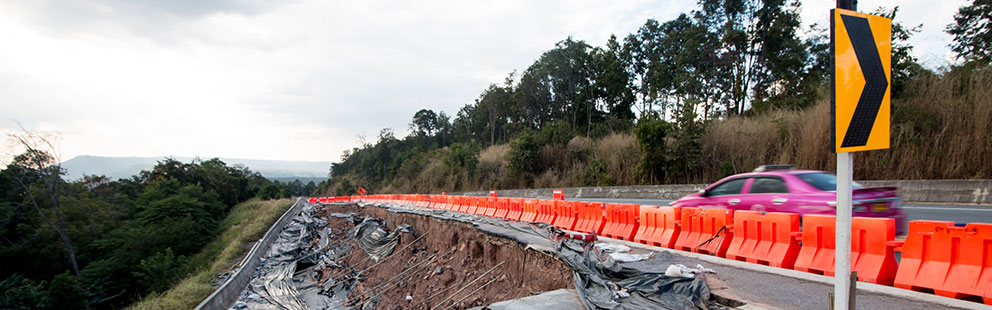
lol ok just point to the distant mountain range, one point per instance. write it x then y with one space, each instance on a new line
125 167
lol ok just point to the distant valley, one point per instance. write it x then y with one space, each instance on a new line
125 167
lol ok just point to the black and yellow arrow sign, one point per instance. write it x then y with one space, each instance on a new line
861 50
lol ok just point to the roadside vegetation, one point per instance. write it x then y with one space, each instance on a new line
244 225
97 243
715 91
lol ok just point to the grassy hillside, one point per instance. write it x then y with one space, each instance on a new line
245 224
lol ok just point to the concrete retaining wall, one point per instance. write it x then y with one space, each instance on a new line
941 191
228 293
931 191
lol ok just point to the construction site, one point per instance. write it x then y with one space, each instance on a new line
372 254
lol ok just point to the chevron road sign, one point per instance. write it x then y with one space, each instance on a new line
861 53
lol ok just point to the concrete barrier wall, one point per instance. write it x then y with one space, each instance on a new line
228 293
940 191
931 191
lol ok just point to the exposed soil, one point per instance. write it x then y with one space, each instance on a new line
444 267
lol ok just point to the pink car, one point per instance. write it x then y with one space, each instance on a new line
779 188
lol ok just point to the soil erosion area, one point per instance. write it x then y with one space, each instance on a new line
442 265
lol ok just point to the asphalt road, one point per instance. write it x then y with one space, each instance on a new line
936 212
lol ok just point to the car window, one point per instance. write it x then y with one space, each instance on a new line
731 187
768 186
822 181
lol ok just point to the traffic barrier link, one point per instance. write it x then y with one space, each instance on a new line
590 217
872 247
454 203
765 238
529 213
565 214
545 212
490 207
621 221
516 209
502 207
952 261
432 201
659 226
465 204
706 231
473 205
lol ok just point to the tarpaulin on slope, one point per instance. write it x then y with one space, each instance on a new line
278 283
374 240
601 282
288 276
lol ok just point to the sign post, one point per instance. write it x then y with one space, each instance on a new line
861 52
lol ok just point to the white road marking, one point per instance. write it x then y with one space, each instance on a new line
951 209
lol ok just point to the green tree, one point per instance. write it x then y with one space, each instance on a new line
523 154
424 122
972 31
758 47
651 135
905 66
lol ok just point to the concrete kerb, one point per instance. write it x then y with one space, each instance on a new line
862 286
228 293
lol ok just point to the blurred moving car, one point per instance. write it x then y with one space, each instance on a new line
781 188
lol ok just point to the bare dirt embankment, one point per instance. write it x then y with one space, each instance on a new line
443 263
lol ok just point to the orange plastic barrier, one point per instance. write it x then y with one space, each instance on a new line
592 217
502 207
765 238
545 211
659 226
953 261
529 213
872 242
700 230
463 204
490 207
473 205
565 214
455 202
621 221
516 209
313 200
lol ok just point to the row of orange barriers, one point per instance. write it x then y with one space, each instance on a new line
331 199
937 256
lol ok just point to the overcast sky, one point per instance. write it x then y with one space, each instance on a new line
297 80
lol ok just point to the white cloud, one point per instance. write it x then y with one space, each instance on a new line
292 80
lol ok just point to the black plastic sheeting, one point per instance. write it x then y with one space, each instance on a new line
372 237
288 276
601 282
289 273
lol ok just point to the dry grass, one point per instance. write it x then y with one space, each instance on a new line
620 154
495 154
940 130
246 223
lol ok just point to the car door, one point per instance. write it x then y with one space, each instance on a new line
726 195
767 193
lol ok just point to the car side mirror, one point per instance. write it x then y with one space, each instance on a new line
704 193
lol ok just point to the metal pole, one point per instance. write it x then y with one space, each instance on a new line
848 4
842 261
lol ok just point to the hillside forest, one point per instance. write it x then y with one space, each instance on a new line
713 92
98 243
